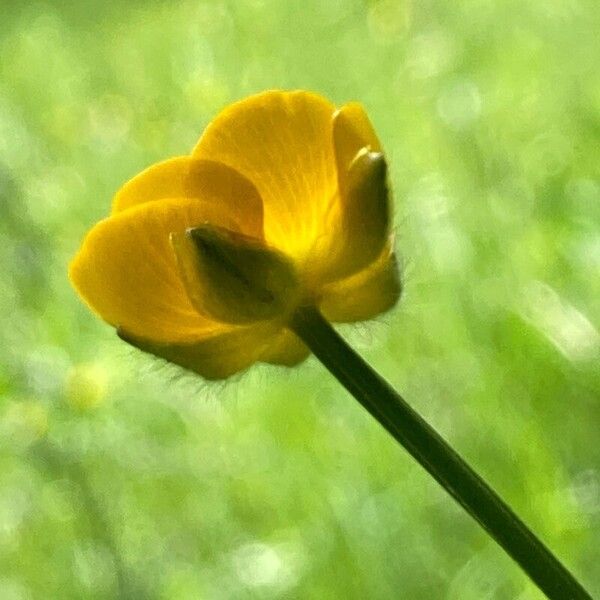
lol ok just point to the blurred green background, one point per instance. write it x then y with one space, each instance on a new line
121 476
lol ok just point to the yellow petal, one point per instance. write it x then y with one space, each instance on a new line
282 142
126 271
217 356
352 131
286 349
366 216
363 295
365 205
222 190
234 278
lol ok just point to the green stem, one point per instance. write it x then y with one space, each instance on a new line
436 456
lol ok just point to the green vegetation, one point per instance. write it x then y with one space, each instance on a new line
119 474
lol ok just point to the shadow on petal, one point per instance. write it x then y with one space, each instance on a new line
364 295
215 357
287 350
228 198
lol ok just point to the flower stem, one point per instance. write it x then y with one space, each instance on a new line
436 456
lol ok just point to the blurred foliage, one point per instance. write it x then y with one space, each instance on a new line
122 476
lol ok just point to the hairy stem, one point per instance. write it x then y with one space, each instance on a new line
436 456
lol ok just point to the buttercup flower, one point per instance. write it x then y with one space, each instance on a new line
277 223
204 258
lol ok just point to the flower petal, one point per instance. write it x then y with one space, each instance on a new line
286 349
218 186
366 216
352 131
126 271
217 356
365 205
364 295
282 142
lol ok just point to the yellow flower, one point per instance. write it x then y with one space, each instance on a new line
204 258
